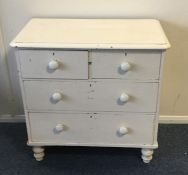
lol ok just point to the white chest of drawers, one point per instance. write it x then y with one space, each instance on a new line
91 82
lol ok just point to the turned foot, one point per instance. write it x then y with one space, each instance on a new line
38 153
147 154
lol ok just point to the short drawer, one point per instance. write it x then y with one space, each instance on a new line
131 64
54 64
104 95
91 129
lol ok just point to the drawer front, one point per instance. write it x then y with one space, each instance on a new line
91 96
96 129
141 65
54 64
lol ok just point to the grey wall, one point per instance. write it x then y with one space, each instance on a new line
172 14
6 97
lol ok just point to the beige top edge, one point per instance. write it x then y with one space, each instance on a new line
92 34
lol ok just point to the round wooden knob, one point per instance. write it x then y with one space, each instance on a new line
59 127
56 96
125 66
124 97
53 65
123 130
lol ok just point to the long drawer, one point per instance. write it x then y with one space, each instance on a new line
122 64
91 129
104 95
54 64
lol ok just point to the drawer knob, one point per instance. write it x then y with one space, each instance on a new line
56 96
124 97
53 65
123 130
59 127
125 66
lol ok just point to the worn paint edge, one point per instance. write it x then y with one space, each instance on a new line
168 119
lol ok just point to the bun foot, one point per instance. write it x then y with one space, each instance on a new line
147 155
38 153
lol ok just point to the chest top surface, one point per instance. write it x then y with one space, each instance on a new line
92 34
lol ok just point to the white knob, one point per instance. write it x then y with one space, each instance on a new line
53 65
124 97
59 127
125 66
56 96
123 130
